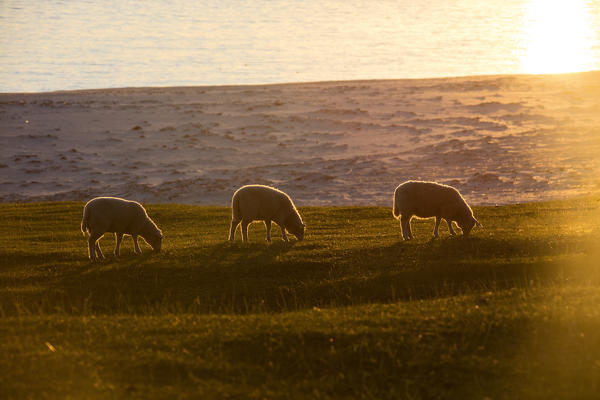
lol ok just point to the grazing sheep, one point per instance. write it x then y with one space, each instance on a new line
430 199
258 202
112 214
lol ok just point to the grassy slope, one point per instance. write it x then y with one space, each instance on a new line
349 312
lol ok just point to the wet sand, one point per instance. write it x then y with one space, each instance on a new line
498 139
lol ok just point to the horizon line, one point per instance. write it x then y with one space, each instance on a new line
333 81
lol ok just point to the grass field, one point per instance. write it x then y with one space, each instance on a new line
350 312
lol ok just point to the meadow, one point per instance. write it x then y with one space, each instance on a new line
351 312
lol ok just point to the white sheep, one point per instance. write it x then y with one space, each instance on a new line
430 199
263 203
112 214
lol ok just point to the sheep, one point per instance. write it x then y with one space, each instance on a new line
112 214
430 199
258 202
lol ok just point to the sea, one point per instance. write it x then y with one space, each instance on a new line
48 45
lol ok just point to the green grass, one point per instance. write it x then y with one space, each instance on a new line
350 312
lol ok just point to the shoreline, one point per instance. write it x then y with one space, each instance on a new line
499 139
324 82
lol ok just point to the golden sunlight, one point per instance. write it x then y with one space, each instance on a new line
558 37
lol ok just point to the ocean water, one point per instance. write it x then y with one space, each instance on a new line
76 44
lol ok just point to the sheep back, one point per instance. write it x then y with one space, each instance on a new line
259 202
430 199
113 214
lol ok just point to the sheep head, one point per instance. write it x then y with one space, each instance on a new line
295 226
468 224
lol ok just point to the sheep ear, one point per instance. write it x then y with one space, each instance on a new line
304 225
477 223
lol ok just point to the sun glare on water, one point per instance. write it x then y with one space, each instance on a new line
558 37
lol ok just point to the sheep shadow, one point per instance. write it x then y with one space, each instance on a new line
455 265
240 277
223 277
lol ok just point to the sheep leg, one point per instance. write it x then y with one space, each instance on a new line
234 224
245 230
403 227
136 246
92 245
450 227
99 250
405 224
118 238
280 220
436 230
285 239
268 225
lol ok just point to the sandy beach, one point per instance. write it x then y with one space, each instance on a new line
498 139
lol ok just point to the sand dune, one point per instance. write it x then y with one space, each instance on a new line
499 139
